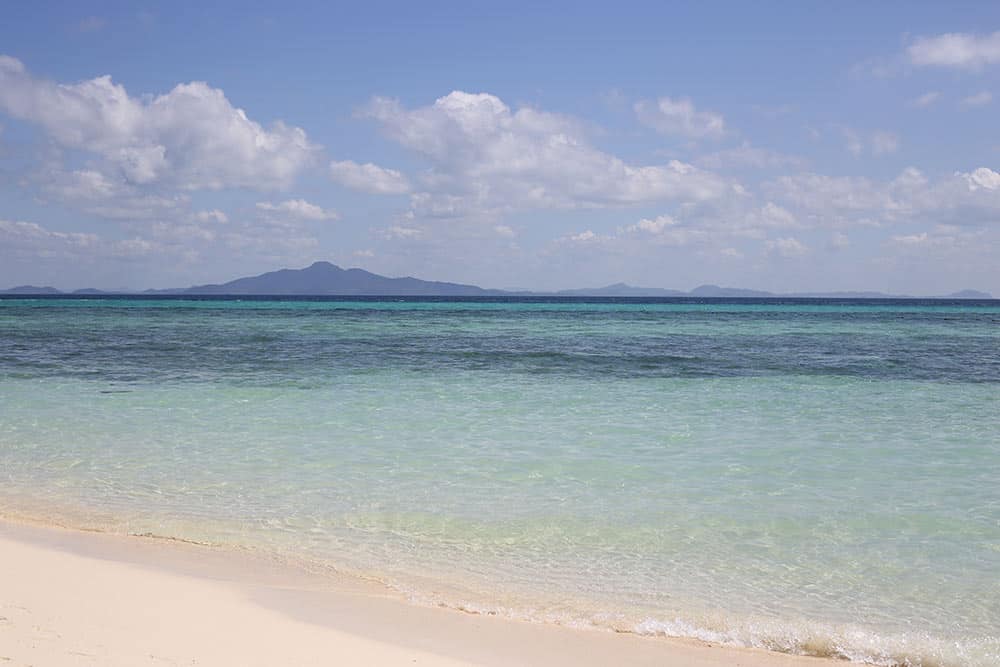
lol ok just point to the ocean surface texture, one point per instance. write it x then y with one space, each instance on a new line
808 476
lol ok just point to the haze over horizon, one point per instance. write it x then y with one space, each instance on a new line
772 147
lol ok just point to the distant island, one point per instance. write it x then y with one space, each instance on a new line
326 279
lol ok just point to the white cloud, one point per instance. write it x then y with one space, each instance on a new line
21 237
363 254
962 50
587 236
131 248
369 177
214 215
744 219
978 100
96 193
299 209
654 226
982 178
399 232
179 232
788 247
663 230
772 215
487 159
884 143
504 231
964 198
679 117
746 155
941 241
31 241
185 241
839 241
832 194
191 137
853 141
911 239
926 100
880 142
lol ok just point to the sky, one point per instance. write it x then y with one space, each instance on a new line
781 146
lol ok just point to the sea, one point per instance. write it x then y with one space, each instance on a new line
809 476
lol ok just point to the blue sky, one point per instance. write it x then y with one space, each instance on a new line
781 146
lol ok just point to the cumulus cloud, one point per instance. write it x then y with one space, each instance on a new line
911 239
96 193
772 215
852 141
396 232
884 143
926 100
192 240
879 142
20 236
941 238
191 137
746 155
652 226
978 100
663 230
787 247
839 241
369 178
487 158
299 209
679 117
214 215
835 194
964 198
583 237
742 218
956 49
29 240
982 178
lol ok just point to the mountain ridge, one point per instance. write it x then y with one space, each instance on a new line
327 279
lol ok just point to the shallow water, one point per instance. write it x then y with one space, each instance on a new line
819 477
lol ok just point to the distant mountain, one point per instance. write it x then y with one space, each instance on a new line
728 292
856 295
621 289
324 278
969 294
30 289
716 292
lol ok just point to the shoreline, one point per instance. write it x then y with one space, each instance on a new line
78 597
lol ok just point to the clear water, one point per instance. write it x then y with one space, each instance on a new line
813 477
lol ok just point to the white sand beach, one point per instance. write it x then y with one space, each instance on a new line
79 598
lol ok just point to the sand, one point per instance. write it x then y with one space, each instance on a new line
79 598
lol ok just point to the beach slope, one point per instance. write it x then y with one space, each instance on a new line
78 598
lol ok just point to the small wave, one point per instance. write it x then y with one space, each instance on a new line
852 643
855 644
803 637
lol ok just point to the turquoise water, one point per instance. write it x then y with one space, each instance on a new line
813 477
